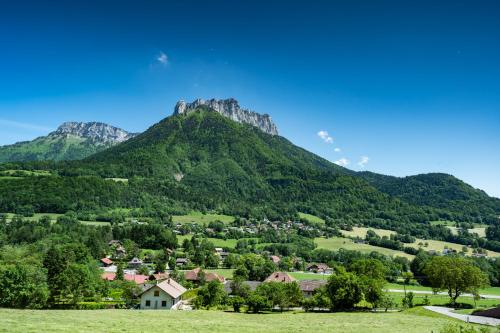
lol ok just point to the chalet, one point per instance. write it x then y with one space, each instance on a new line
319 268
195 276
280 277
106 262
135 263
221 253
162 296
309 287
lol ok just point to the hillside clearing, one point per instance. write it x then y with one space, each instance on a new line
200 218
412 321
336 243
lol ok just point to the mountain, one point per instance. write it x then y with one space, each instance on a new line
199 158
71 141
230 108
441 191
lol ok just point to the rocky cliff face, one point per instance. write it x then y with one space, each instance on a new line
97 132
231 109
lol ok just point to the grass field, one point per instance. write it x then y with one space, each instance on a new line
336 243
485 291
361 232
308 276
443 300
311 218
411 321
200 218
432 244
231 243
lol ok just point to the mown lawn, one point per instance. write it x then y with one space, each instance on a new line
411 321
336 243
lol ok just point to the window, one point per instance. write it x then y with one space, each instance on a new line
163 304
148 303
157 293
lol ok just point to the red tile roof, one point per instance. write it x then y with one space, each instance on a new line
193 275
137 278
107 261
280 277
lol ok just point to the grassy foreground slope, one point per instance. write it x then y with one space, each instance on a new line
416 320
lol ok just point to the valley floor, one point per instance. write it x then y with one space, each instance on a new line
410 321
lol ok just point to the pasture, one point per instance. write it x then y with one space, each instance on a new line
336 243
410 321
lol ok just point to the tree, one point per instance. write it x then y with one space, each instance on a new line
344 290
257 303
237 302
211 294
385 302
23 286
456 275
407 300
120 276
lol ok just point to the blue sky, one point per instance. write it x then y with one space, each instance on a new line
401 87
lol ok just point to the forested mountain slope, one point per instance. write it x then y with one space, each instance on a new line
440 191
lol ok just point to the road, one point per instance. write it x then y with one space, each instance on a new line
467 318
439 293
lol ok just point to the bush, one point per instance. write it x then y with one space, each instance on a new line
237 302
257 303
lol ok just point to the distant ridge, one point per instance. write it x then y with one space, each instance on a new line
70 141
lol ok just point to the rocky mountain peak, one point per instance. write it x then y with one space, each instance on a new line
98 132
230 108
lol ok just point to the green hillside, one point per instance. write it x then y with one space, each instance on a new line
440 191
57 148
205 161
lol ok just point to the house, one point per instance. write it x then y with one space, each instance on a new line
280 277
159 276
180 262
137 278
228 286
120 252
114 242
162 296
135 263
195 276
221 253
319 268
309 287
106 262
275 259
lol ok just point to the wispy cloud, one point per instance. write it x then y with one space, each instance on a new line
342 162
337 150
162 58
325 136
363 161
27 126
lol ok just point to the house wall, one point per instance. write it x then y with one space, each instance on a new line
156 301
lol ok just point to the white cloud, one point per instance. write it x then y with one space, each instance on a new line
342 162
162 58
337 150
325 136
364 161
